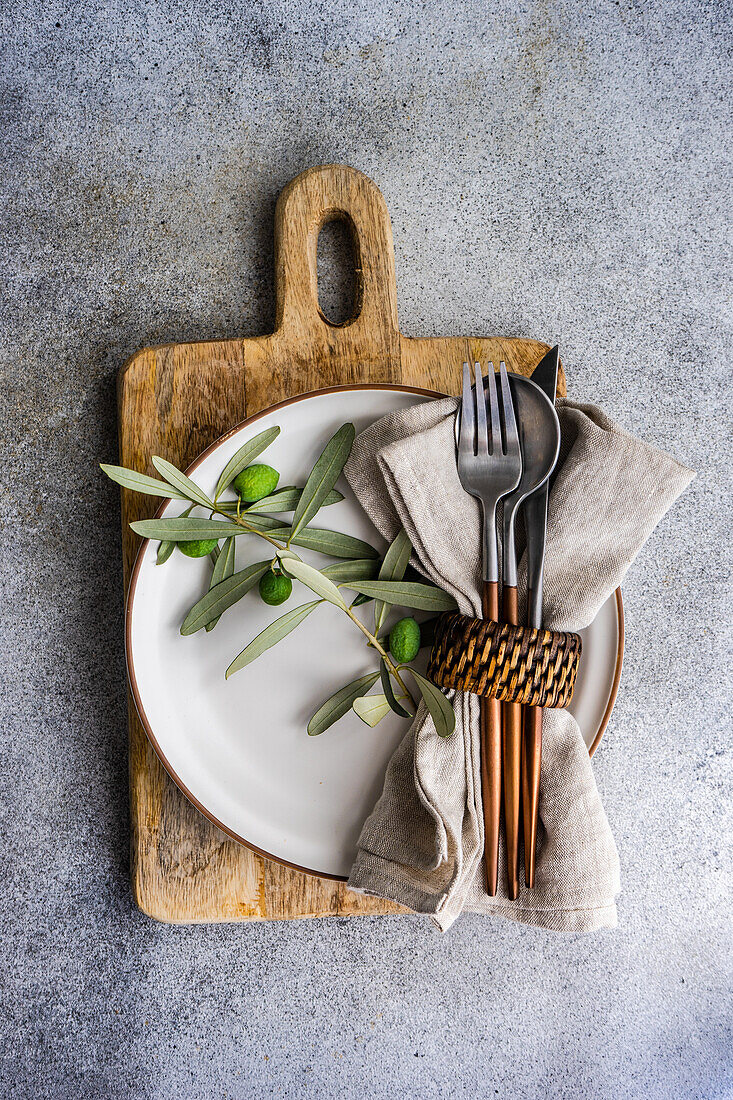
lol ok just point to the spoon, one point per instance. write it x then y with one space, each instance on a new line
539 440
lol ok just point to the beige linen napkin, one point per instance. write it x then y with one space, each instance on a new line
422 844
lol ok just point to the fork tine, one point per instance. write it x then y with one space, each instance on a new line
511 432
482 432
468 418
494 420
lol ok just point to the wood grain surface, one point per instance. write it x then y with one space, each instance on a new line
176 400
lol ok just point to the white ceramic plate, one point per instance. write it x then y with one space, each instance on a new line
238 748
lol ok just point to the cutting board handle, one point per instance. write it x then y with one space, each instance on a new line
319 195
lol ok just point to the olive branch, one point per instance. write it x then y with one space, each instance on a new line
384 582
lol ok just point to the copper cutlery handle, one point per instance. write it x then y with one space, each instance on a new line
532 757
512 764
491 759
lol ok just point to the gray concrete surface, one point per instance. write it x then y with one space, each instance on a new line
552 169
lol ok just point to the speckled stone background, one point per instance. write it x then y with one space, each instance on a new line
553 169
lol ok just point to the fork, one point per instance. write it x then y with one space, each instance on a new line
489 467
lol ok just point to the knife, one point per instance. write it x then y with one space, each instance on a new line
535 524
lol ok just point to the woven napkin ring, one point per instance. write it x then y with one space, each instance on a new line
516 664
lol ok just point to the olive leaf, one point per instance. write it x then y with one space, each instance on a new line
185 530
438 705
285 500
389 692
141 483
371 708
180 482
272 634
273 526
165 549
339 703
222 596
243 457
259 523
223 569
239 507
323 476
284 554
355 570
332 543
322 586
393 569
424 597
225 563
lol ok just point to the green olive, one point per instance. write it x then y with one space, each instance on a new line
404 640
197 548
256 482
275 588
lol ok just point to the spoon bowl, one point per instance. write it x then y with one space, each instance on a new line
539 436
539 441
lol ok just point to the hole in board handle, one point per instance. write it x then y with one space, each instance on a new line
338 277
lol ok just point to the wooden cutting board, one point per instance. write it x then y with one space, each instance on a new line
176 400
